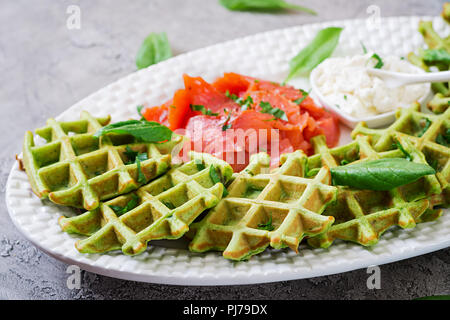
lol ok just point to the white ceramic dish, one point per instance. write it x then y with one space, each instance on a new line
376 121
264 55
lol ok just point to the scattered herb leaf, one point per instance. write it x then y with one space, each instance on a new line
154 49
129 206
169 204
320 48
425 127
305 94
267 226
406 153
263 5
200 165
141 177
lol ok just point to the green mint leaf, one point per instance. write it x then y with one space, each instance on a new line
320 48
381 174
266 107
154 49
146 131
263 5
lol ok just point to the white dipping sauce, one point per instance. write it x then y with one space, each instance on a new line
346 83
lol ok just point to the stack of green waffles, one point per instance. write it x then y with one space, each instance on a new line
131 192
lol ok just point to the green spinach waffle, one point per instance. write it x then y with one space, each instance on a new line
262 209
74 168
163 209
362 216
424 138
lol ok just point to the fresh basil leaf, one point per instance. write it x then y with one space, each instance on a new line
267 226
266 107
263 5
379 63
431 56
133 203
320 48
382 174
154 49
143 130
203 110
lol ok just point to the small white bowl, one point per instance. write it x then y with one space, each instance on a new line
379 120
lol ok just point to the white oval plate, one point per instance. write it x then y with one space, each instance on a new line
264 55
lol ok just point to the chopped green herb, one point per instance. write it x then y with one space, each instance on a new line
214 175
379 63
129 206
425 127
168 204
363 47
344 162
263 5
139 110
203 110
345 97
141 176
266 107
226 125
304 96
406 153
267 226
443 139
131 155
199 164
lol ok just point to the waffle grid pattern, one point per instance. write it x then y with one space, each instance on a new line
166 208
74 168
291 203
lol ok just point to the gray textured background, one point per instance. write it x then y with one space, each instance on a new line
45 68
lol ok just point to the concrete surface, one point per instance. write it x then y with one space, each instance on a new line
45 68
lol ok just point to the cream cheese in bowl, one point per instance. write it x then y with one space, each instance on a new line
343 85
